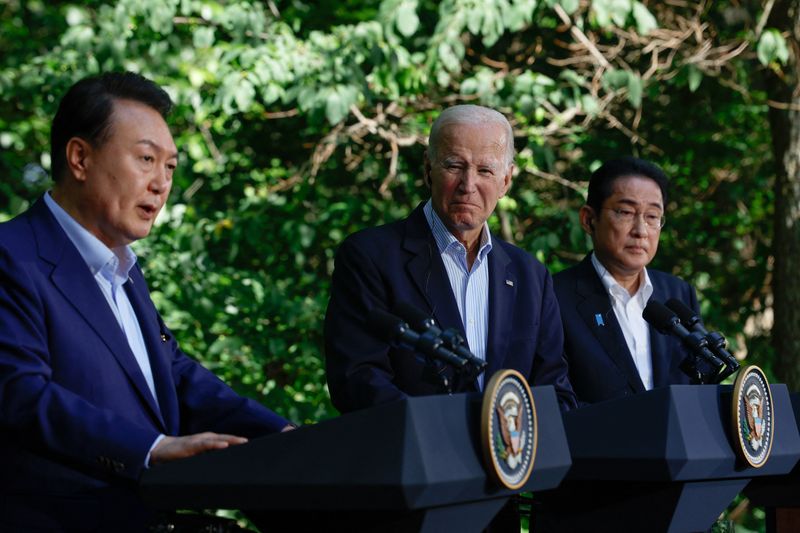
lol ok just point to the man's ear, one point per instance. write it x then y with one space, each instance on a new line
587 219
78 153
507 180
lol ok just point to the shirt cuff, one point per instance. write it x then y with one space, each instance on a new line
155 443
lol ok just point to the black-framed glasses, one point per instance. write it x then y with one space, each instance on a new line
626 217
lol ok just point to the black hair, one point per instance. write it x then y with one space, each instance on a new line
602 181
85 111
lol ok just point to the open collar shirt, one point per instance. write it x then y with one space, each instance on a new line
628 309
110 268
470 286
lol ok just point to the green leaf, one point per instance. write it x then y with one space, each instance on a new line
448 57
695 77
474 20
243 94
635 89
611 11
771 47
338 102
203 37
645 21
589 104
615 79
570 6
407 19
469 86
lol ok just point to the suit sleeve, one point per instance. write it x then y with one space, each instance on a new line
357 362
39 413
549 365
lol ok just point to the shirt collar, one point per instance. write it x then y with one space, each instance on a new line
618 291
114 264
446 240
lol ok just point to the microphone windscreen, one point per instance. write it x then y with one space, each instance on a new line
384 325
684 312
658 316
415 317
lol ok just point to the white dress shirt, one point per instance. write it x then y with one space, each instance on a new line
628 309
470 286
110 269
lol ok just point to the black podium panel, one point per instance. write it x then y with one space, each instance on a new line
779 491
660 461
675 433
419 453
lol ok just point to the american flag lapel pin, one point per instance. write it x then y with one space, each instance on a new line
509 283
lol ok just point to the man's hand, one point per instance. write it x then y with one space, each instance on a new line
171 448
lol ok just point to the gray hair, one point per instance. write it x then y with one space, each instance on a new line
470 114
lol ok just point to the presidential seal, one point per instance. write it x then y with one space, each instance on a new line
753 416
508 429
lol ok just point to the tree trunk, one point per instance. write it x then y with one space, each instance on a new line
785 127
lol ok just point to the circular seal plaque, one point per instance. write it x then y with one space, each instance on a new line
508 429
753 416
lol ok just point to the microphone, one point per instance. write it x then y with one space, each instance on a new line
397 332
425 325
716 342
666 322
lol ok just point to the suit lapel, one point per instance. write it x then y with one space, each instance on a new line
136 290
658 345
594 307
73 279
502 298
427 270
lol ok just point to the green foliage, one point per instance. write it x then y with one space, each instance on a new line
301 122
772 47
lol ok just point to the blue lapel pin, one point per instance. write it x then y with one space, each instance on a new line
599 319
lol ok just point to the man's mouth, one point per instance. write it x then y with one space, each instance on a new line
149 210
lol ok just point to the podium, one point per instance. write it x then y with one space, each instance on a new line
659 461
412 465
779 492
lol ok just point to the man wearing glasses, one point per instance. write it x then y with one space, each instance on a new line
611 350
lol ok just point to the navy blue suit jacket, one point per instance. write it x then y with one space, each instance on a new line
400 262
76 415
600 364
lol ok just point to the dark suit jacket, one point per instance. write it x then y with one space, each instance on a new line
400 262
76 415
600 365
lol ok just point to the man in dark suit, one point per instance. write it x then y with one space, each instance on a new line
443 260
611 350
93 386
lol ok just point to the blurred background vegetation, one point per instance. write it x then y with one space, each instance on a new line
300 122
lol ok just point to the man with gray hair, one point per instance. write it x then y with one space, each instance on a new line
443 260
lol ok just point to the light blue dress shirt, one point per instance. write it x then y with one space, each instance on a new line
470 287
110 269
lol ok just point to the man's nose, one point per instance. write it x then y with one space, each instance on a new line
469 179
162 181
639 227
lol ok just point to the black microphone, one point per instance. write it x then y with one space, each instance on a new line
425 325
716 341
397 332
666 322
